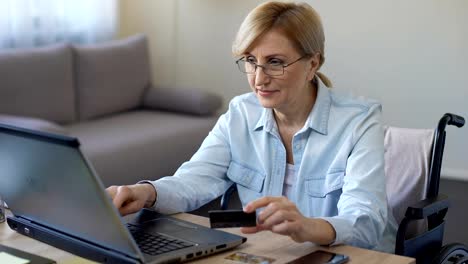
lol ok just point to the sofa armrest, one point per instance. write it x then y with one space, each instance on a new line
33 123
188 101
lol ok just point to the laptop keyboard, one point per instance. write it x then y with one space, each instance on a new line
155 244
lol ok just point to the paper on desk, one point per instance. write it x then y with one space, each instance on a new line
78 260
10 259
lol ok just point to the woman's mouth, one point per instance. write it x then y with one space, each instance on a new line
266 93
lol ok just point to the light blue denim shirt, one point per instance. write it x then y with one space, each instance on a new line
338 159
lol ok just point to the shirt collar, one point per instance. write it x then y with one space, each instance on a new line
317 119
266 120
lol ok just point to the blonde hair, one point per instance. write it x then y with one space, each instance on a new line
299 22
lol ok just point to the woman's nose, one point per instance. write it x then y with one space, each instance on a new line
260 76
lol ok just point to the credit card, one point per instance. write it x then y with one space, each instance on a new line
231 218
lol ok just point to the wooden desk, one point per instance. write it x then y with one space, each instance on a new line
267 244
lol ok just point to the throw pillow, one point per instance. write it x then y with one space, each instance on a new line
111 77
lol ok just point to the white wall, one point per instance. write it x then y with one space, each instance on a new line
410 55
156 19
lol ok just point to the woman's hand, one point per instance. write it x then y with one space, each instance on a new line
130 199
281 216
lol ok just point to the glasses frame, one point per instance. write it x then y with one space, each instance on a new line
264 67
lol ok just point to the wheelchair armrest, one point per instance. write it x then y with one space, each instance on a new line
427 207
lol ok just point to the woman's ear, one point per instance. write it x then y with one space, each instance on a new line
313 66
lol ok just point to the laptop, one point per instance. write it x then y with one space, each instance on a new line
56 197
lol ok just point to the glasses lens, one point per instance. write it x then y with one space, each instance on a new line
268 69
246 67
274 70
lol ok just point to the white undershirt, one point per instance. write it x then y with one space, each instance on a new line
289 180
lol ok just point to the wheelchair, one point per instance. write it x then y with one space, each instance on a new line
428 212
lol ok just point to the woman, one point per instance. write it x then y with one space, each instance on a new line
310 161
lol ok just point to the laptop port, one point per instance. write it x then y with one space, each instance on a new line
189 255
13 225
221 246
198 253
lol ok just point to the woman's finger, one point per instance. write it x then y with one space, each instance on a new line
281 203
252 230
260 202
122 195
269 210
279 217
112 190
249 230
282 228
130 208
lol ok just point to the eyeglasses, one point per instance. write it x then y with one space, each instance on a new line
270 68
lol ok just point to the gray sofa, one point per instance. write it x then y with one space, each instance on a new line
102 95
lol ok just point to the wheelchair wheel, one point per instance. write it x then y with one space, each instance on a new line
463 260
454 253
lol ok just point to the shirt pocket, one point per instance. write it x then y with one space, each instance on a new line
321 187
246 177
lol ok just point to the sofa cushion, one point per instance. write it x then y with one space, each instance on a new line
38 82
138 145
32 123
190 101
111 77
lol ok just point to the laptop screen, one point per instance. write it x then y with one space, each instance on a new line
46 179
